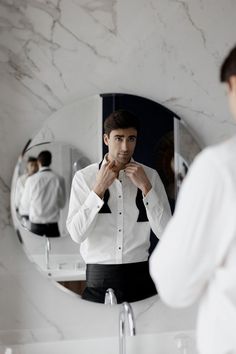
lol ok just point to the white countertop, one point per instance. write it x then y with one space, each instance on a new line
62 267
33 309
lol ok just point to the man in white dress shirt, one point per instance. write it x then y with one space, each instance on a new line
31 168
196 257
113 206
43 198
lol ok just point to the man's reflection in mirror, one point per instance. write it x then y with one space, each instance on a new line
43 198
31 168
113 206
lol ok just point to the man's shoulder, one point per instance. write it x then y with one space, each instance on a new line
221 154
31 178
22 179
89 170
216 161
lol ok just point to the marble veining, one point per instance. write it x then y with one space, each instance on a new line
5 216
187 11
108 7
55 52
27 45
45 135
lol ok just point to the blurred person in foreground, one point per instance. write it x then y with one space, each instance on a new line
196 257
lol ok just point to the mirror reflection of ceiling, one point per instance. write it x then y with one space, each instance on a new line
74 137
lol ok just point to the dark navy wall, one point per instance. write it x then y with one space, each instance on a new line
155 144
155 121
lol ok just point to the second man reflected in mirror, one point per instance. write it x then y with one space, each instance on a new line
43 198
113 206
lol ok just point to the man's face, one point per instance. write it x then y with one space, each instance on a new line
231 90
32 167
121 144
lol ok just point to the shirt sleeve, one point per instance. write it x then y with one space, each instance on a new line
157 206
61 192
24 206
84 206
18 193
197 238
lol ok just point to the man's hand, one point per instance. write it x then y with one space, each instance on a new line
138 176
105 177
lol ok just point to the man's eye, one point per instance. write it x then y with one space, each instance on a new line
118 138
132 139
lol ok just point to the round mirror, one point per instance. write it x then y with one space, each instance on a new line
74 138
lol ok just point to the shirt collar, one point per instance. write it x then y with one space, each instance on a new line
43 168
105 159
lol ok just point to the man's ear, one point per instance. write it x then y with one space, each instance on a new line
105 139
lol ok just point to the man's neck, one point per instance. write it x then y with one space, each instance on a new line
44 167
118 166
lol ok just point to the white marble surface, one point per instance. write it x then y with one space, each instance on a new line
57 51
34 310
164 343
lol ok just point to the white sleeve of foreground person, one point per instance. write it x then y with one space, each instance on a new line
196 239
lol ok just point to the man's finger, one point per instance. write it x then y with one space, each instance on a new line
112 164
132 164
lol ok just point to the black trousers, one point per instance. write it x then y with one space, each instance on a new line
130 282
49 229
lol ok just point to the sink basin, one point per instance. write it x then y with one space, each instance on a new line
162 343
157 343
61 267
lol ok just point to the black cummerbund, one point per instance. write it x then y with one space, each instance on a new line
118 275
130 281
48 229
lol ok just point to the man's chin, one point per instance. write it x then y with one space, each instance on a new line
123 159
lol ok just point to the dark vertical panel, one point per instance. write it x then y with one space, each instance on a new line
155 121
155 144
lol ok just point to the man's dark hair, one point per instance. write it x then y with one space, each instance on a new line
31 159
45 158
120 119
228 67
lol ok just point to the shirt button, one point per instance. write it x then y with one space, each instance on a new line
119 230
119 196
120 212
119 248
146 203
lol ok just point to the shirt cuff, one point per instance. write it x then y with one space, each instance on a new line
151 200
94 201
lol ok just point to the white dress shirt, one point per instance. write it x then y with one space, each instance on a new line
196 257
116 237
43 197
19 189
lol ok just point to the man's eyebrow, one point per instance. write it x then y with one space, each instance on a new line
122 136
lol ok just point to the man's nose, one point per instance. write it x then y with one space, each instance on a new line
124 145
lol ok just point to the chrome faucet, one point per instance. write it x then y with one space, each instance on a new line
126 312
110 297
47 252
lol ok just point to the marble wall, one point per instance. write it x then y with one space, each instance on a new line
57 51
